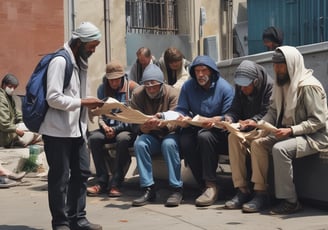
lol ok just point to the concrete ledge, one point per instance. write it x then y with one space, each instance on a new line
10 158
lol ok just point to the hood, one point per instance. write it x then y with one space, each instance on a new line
203 60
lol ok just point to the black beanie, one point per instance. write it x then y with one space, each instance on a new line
273 34
278 57
9 79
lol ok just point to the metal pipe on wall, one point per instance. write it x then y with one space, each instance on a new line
107 30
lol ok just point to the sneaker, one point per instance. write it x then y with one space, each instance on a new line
5 182
285 208
175 198
208 197
114 192
95 190
257 204
238 200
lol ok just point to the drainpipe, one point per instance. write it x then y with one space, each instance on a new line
230 31
69 18
107 30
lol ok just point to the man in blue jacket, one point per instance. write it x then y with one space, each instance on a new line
206 94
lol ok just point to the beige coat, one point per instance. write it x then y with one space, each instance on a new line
305 105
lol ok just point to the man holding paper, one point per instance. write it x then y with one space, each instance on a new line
299 111
153 98
250 104
208 95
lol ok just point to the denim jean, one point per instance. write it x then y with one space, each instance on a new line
147 146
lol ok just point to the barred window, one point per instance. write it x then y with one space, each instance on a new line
151 16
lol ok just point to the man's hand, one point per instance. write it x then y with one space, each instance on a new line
151 124
183 121
92 102
109 131
246 124
283 133
20 132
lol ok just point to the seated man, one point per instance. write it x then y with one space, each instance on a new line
116 85
13 131
144 58
209 95
153 98
299 111
251 102
174 67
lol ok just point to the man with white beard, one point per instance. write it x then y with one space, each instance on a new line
209 95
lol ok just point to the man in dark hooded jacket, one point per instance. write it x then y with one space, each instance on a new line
250 104
206 94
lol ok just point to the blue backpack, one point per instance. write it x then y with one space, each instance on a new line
34 105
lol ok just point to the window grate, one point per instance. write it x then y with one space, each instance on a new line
151 16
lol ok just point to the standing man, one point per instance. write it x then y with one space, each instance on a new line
144 58
206 94
251 102
64 132
115 85
153 98
299 111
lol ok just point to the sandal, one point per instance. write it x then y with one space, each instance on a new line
16 176
94 190
114 192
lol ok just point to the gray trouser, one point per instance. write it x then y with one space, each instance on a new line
283 152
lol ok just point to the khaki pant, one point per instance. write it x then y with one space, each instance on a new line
259 150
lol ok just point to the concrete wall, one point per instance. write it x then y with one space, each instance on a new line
315 57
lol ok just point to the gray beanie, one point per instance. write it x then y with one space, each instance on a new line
152 72
246 73
9 79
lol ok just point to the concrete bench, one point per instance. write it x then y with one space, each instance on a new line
310 177
160 169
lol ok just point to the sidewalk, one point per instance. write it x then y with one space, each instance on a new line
26 208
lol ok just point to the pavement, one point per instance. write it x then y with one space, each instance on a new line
26 207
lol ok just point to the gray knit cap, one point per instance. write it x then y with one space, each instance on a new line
152 72
246 73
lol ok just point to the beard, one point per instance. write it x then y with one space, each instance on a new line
157 95
83 53
203 80
282 79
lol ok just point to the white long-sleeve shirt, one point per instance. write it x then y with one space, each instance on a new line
65 118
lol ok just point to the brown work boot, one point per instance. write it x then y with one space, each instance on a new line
209 195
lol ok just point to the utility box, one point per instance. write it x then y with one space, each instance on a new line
211 47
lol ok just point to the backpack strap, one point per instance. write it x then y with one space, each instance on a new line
69 66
